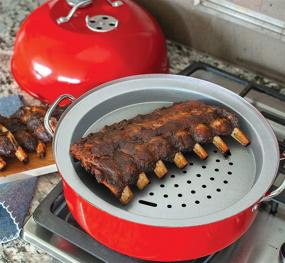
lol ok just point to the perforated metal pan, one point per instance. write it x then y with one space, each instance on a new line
191 212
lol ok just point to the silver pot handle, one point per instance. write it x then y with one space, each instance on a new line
277 191
51 109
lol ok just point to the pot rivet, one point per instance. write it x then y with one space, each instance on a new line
254 208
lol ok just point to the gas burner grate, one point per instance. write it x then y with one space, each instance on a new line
248 85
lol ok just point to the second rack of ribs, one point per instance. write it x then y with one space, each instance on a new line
119 153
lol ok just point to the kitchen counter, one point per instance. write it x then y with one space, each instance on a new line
11 15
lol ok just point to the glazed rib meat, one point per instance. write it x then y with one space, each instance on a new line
23 136
32 117
20 132
121 154
24 130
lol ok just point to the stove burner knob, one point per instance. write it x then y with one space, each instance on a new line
282 253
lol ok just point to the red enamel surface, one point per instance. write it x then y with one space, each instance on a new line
51 59
152 242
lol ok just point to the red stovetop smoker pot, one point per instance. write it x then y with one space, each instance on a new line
70 46
181 219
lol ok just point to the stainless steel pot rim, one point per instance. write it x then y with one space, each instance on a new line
77 110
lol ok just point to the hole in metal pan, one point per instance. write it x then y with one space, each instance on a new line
147 203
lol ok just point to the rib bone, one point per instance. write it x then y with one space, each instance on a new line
19 152
221 145
200 151
160 169
41 149
126 196
2 163
238 135
180 160
142 181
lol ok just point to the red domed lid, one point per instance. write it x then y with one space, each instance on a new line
102 41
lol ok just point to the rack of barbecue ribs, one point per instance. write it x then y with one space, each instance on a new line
123 153
24 132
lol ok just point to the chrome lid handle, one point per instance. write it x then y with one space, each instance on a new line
47 119
64 19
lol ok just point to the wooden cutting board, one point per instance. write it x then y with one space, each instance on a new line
16 170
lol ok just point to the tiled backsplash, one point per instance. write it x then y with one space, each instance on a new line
248 33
